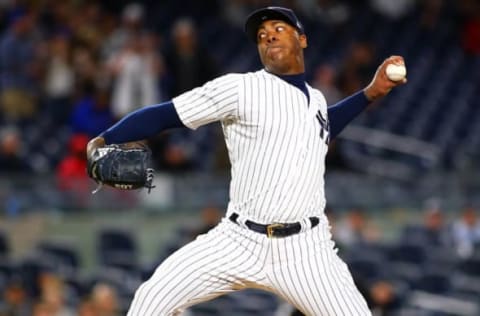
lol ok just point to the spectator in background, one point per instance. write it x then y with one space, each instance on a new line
433 232
131 27
71 175
15 299
382 298
358 64
331 12
43 309
86 26
394 10
105 301
431 14
86 66
86 308
59 79
91 113
189 65
136 71
471 30
10 151
325 81
19 67
466 232
235 11
53 294
355 229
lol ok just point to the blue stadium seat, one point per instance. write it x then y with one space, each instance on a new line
117 248
7 270
4 244
206 309
408 253
364 268
406 272
438 283
470 266
464 283
63 254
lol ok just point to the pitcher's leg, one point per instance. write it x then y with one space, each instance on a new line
210 266
314 279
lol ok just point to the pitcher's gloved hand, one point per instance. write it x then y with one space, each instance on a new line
125 166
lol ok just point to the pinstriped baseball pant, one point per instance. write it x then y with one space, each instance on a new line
303 269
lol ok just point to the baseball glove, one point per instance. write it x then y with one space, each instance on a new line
123 166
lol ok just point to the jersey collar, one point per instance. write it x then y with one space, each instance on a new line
297 80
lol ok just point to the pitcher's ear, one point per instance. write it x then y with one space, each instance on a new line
303 40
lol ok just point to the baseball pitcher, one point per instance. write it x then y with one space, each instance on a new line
275 235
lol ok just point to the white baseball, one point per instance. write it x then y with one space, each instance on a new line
396 72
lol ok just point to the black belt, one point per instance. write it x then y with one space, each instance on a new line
276 229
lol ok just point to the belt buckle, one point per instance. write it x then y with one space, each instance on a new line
271 229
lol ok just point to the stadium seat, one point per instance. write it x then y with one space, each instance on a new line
4 244
63 254
407 272
408 253
206 309
117 248
368 269
226 303
441 305
464 283
470 266
438 283
7 270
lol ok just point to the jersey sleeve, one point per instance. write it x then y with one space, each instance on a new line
216 100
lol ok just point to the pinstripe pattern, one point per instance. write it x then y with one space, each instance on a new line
272 136
277 143
304 269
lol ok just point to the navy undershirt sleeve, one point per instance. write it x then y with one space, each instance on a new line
344 111
143 123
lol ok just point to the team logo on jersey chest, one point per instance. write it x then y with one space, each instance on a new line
324 127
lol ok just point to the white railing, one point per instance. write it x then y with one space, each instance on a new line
426 154
393 142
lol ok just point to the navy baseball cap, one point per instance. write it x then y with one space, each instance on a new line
270 13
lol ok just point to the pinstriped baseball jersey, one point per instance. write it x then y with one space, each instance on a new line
276 140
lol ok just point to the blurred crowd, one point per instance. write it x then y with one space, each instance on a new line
66 76
435 252
77 74
52 299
